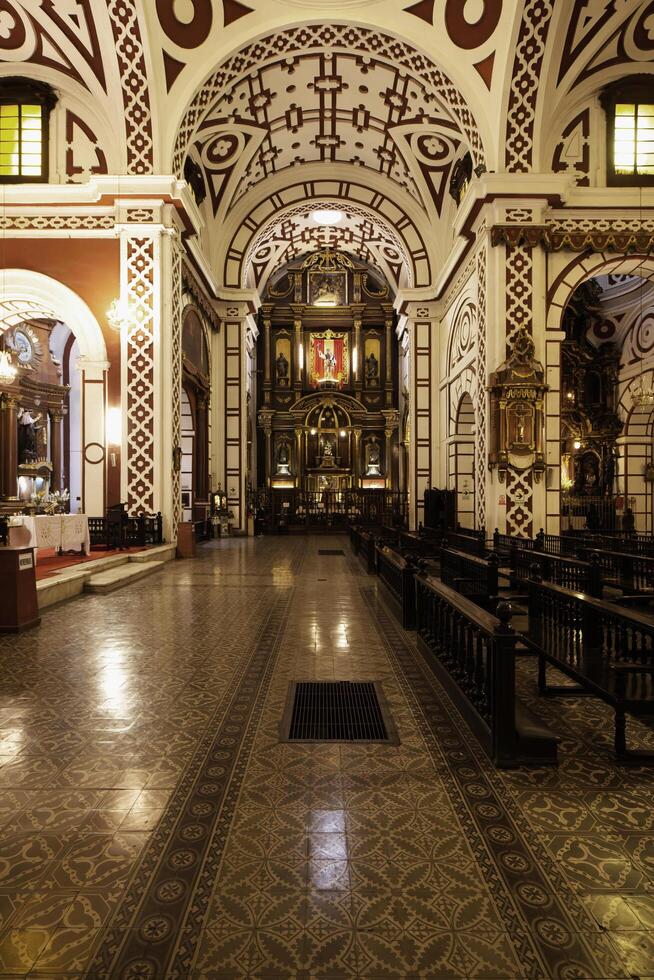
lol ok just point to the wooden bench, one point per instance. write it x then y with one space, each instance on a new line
473 577
607 651
471 543
473 654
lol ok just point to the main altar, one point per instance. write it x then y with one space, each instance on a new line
328 419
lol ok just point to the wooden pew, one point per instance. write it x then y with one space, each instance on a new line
473 655
471 543
606 650
473 577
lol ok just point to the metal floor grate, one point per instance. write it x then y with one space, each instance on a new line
341 711
330 551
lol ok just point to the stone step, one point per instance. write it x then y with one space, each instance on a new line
115 578
161 552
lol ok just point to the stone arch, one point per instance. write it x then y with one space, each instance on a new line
632 446
43 296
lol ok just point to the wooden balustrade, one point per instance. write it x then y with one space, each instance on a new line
398 574
471 544
473 653
584 576
608 651
475 578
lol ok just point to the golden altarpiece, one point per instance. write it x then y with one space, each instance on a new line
33 405
327 400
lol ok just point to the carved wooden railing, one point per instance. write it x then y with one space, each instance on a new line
570 573
472 543
608 651
473 653
473 577
398 574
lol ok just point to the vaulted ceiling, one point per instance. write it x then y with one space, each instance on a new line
375 95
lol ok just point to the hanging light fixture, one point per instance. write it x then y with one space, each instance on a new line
117 314
8 370
641 396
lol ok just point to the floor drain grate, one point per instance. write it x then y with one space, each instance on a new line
330 551
341 711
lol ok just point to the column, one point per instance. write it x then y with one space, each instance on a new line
297 342
151 359
56 449
9 463
238 329
357 457
392 419
267 353
357 311
388 327
421 322
299 456
265 422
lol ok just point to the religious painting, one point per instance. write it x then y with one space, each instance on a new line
327 288
329 359
520 418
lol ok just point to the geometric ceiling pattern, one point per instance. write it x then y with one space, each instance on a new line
263 92
326 108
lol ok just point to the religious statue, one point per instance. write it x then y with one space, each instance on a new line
28 426
282 369
330 364
327 448
372 367
373 459
283 458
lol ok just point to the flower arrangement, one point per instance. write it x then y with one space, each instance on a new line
51 503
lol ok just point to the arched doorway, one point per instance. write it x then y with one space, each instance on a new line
54 424
606 362
463 461
195 414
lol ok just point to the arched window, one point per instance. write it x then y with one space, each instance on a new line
25 107
629 106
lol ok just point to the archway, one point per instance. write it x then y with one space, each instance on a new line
603 306
462 468
196 392
55 327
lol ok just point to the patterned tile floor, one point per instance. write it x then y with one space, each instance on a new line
152 824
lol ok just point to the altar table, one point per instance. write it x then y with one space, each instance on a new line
65 532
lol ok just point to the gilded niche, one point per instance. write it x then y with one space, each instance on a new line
517 391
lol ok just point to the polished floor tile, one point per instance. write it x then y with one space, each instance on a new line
152 824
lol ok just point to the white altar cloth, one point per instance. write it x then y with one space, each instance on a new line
67 532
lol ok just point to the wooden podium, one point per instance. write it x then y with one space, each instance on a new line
18 607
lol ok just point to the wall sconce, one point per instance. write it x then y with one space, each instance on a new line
114 427
343 433
577 444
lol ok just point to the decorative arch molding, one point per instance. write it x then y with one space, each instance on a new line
246 227
463 335
585 267
351 405
23 285
364 41
364 233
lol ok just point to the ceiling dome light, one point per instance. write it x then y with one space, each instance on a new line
327 216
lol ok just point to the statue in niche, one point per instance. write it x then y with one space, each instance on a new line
373 459
28 435
281 365
327 447
283 458
372 368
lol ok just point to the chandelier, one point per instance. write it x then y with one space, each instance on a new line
8 371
